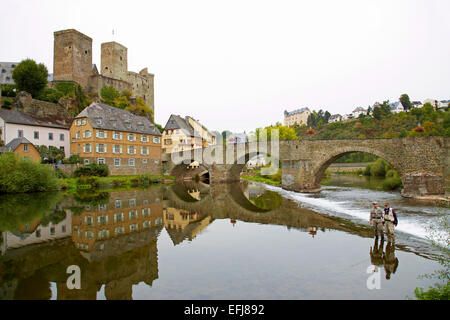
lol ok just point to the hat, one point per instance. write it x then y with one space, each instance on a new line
374 202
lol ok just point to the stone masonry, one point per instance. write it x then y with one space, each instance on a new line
422 162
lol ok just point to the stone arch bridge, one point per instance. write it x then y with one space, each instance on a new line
422 163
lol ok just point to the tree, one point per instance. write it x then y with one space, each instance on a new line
108 94
30 77
50 154
406 103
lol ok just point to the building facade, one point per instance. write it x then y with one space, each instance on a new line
182 134
127 143
299 116
22 148
335 118
40 132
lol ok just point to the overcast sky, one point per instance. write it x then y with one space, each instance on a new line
238 65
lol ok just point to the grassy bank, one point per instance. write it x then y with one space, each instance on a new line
262 179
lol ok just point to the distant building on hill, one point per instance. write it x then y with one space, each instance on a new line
299 116
335 118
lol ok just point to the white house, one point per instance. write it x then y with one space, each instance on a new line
335 118
346 117
417 104
16 124
359 111
396 107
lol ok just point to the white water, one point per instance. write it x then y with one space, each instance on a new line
355 203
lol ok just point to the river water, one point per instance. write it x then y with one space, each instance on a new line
193 241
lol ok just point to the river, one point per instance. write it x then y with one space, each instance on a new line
193 241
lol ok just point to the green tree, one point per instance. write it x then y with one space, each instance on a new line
406 103
108 94
50 154
30 77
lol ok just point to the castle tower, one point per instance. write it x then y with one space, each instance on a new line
114 61
72 60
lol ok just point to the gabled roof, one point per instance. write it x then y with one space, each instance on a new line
18 117
177 122
117 119
359 109
13 144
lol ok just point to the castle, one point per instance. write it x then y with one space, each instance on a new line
73 62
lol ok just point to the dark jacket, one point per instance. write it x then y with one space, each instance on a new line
386 213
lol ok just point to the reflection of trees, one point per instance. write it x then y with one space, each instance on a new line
92 198
55 217
18 210
268 200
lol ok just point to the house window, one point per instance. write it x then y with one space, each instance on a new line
50 136
20 133
145 212
99 120
131 150
63 229
87 148
25 147
52 231
117 162
61 137
83 122
101 161
144 161
168 141
131 162
156 161
144 150
77 135
128 125
119 217
117 148
132 202
102 220
88 220
134 227
146 224
132 215
38 233
119 230
156 140
61 148
36 134
86 161
144 138
118 204
87 134
101 148
101 134
117 136
131 137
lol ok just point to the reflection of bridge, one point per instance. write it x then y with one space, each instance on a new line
422 163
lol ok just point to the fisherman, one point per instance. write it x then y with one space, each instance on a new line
390 260
390 218
377 220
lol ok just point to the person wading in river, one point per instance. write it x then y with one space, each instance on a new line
390 222
377 220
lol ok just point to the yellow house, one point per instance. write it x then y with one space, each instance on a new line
182 134
23 148
125 142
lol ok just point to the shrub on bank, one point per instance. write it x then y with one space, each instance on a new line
392 183
93 169
23 175
73 159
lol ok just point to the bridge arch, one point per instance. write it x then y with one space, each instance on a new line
321 166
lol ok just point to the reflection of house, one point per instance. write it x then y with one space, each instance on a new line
182 224
185 134
35 232
40 131
126 212
22 148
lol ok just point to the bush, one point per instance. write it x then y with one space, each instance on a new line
378 168
119 182
392 183
93 169
22 175
92 181
146 180
73 159
392 174
8 90
7 102
50 95
60 174
368 170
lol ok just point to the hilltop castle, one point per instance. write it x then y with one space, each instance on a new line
73 62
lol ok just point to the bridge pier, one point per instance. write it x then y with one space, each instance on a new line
422 184
298 175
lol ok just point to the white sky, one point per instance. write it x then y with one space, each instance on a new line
238 65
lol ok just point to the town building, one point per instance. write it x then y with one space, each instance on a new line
347 117
396 107
23 148
299 117
6 69
73 62
359 111
335 118
417 104
127 143
39 131
182 134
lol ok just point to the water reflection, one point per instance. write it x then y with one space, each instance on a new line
113 236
